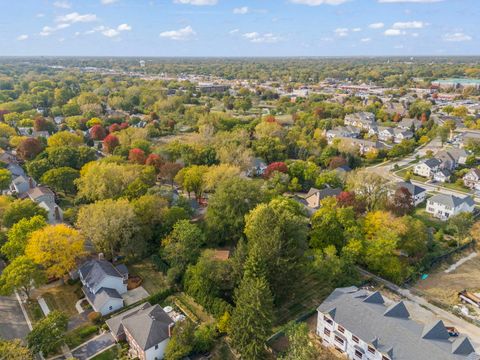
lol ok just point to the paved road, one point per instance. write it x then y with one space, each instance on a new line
92 347
12 321
466 328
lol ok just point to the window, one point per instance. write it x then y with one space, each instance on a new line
358 354
339 339
385 358
371 350
110 307
326 332
355 339
156 347
341 329
327 320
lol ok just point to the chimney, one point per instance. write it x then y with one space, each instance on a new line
57 214
170 329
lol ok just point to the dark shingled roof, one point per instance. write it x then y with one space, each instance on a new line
366 316
93 271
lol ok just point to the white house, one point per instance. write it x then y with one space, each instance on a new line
400 135
364 326
363 120
472 179
146 328
426 168
21 184
442 175
444 206
418 193
103 285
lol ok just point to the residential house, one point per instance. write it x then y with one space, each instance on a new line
400 135
362 120
257 168
15 170
45 198
342 132
442 175
417 192
363 325
363 146
444 206
21 185
315 196
146 328
395 108
409 124
103 284
472 179
382 132
447 161
427 168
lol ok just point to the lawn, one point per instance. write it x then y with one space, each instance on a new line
153 280
78 336
110 354
34 311
403 174
428 220
63 298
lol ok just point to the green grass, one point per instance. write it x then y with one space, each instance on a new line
78 336
34 311
110 354
153 280
403 174
454 186
421 214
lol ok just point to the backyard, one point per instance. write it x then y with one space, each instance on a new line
63 297
153 280
444 287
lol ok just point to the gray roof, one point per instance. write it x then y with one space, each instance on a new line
93 271
16 169
102 296
115 323
451 200
390 329
432 162
412 188
323 193
148 327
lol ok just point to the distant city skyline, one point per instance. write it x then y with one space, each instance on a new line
236 28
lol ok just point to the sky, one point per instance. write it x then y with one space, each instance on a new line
239 27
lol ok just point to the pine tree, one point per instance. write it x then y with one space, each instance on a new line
252 318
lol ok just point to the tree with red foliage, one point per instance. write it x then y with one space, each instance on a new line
137 156
401 202
155 160
348 198
110 143
279 166
97 132
123 125
270 119
336 162
113 128
40 124
29 148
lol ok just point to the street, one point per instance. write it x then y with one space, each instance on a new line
12 321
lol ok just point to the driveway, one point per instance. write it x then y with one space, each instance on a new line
135 295
91 347
12 322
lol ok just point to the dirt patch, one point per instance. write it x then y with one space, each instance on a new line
444 287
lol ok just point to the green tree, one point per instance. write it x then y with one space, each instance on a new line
299 345
14 350
461 224
182 246
48 334
22 209
182 341
18 235
227 208
23 274
252 318
369 186
61 179
277 237
112 226
192 179
5 179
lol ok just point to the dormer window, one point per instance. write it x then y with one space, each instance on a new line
371 350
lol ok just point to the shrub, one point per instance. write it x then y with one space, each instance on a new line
159 264
94 317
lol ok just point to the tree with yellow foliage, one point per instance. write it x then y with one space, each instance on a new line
65 138
56 248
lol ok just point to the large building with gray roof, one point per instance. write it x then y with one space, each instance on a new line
361 325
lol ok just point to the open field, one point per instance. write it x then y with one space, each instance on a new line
444 287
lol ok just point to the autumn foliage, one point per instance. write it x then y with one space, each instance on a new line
113 128
110 143
97 132
279 166
154 160
29 148
137 156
